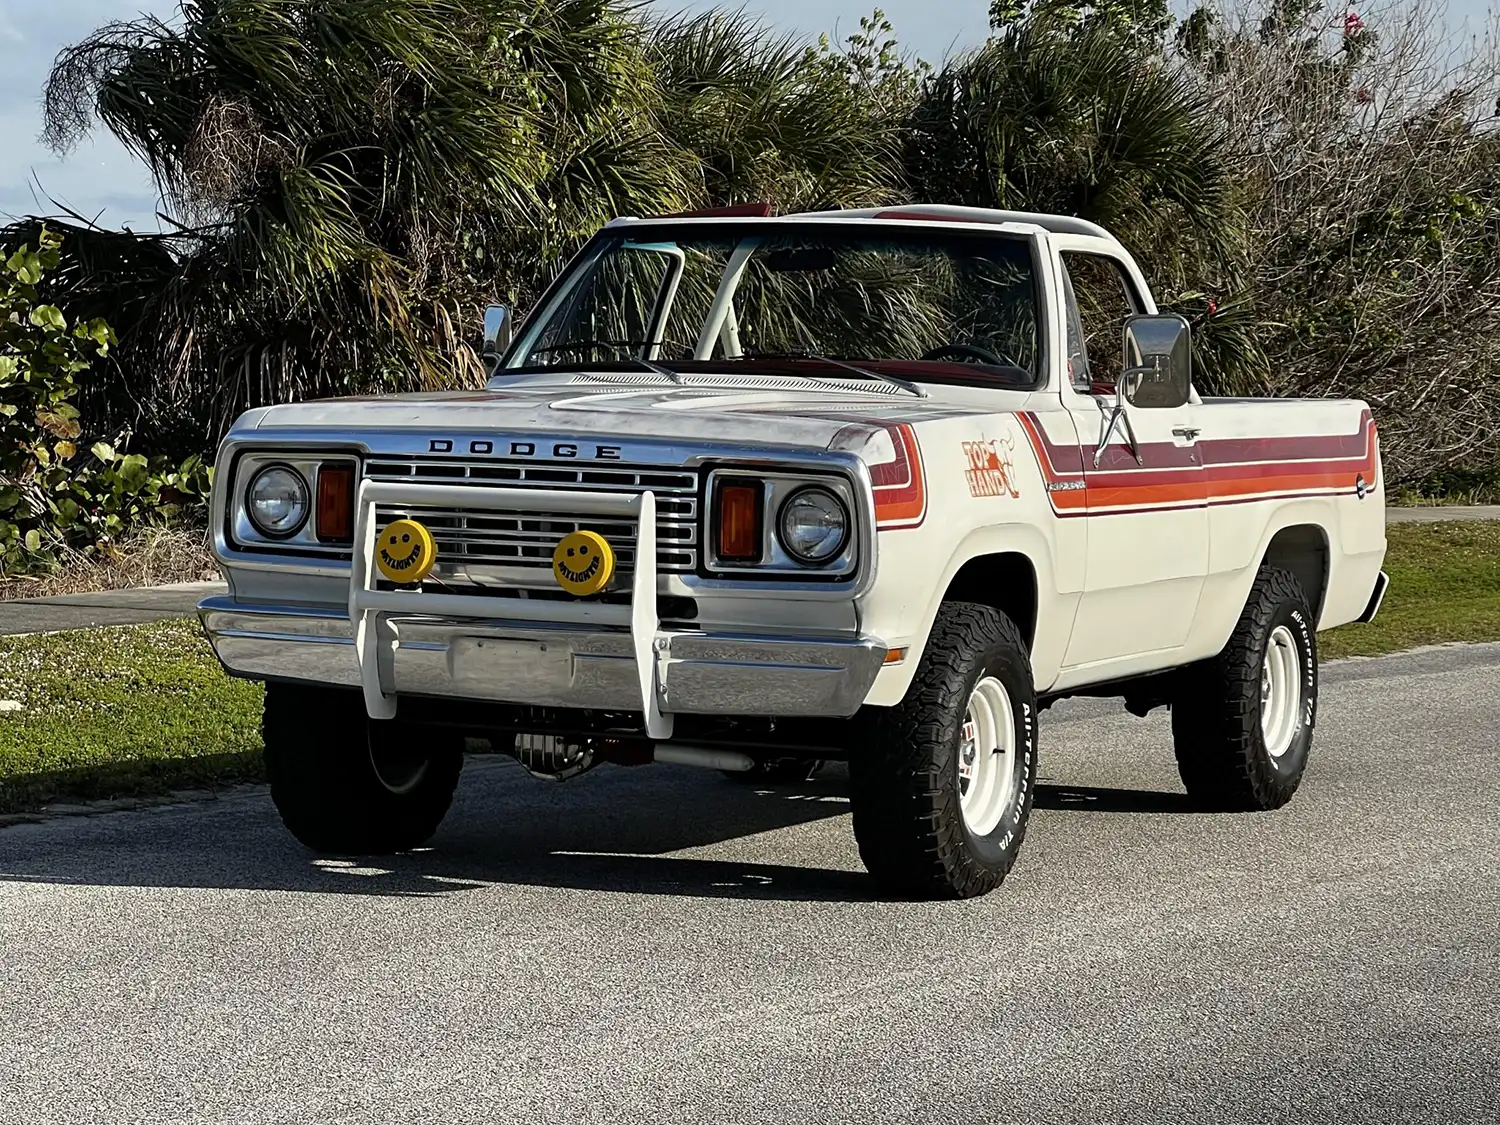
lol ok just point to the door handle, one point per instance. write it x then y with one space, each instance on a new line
1187 433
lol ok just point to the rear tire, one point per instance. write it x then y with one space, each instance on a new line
348 785
941 791
1242 727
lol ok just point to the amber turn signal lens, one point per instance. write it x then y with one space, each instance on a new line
335 518
739 522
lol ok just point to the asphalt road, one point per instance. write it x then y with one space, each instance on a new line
658 945
106 607
1443 513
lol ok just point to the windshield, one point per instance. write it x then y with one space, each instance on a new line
929 304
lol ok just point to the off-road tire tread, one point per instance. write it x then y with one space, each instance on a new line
317 763
1216 718
908 825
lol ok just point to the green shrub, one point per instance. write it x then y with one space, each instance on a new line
54 492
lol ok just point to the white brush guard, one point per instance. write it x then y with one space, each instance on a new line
373 649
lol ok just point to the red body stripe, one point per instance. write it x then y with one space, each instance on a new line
1236 470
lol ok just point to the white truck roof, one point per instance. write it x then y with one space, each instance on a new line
936 212
917 212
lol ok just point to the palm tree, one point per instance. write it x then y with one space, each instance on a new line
349 181
1053 115
767 119
337 170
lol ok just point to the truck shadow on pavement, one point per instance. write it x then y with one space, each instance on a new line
614 830
611 830
1087 798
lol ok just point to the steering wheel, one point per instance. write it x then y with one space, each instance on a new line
970 351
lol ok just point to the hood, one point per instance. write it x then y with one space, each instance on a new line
763 411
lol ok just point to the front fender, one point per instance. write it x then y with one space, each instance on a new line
904 603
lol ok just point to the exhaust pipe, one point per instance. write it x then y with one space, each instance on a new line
678 754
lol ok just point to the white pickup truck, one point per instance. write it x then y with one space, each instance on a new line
753 492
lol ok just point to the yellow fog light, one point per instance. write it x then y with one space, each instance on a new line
583 563
405 552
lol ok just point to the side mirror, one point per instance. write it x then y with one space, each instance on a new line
1158 371
499 330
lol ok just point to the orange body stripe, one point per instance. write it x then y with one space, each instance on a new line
1117 489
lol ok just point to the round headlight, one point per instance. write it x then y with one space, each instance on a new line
813 526
277 502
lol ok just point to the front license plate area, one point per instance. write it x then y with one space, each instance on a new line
525 668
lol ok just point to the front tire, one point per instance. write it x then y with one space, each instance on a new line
941 792
346 784
1242 727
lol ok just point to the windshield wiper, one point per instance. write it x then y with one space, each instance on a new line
904 384
652 365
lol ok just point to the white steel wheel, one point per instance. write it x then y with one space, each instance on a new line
987 761
941 792
1280 692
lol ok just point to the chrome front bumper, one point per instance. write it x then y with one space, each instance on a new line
546 664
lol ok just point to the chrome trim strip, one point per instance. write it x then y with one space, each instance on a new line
513 471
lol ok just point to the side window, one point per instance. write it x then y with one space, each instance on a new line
1099 297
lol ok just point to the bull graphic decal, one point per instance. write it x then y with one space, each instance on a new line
991 471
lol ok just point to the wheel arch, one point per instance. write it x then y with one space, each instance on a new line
1298 535
1011 569
1005 581
1303 549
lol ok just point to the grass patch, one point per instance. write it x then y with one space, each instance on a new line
1445 586
134 710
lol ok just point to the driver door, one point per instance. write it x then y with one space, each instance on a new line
1147 496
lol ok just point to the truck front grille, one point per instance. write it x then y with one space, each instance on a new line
479 544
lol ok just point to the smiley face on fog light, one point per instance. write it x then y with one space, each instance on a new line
583 563
405 552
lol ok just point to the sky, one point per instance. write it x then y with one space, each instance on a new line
101 179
